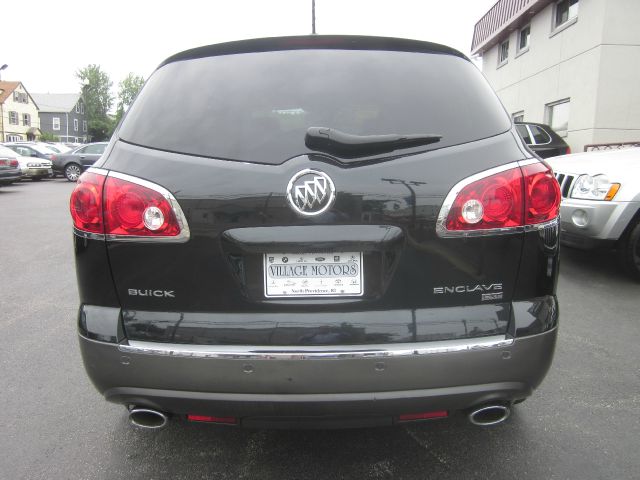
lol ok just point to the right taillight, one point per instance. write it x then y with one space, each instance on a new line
14 163
501 200
123 207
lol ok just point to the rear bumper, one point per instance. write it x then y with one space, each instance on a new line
9 176
369 386
36 172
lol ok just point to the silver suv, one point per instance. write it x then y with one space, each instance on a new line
601 202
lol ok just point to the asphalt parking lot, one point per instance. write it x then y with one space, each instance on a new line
583 422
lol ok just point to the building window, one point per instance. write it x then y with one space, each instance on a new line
82 108
75 124
78 107
26 119
84 125
14 138
566 10
518 116
557 116
503 53
20 97
523 38
13 118
56 123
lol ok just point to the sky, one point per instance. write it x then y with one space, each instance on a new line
45 48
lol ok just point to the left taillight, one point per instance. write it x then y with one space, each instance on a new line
501 200
123 207
86 203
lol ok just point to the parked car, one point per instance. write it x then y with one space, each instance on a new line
9 167
542 139
601 202
31 149
72 164
34 168
322 230
60 147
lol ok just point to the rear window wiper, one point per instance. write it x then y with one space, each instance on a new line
330 140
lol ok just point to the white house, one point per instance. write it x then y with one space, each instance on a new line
18 113
573 64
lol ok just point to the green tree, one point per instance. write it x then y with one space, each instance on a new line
96 91
49 137
127 91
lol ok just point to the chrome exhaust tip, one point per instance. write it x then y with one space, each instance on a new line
147 418
489 415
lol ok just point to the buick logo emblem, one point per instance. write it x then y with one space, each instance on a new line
311 192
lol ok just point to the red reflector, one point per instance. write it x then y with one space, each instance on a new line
423 416
210 419
86 203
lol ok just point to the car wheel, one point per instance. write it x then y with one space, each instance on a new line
72 172
629 250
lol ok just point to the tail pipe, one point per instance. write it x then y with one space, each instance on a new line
488 415
147 418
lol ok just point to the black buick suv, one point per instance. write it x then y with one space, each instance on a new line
317 231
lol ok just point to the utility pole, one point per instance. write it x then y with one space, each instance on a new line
313 17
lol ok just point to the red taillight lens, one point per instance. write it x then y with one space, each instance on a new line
568 151
497 200
86 203
123 206
132 209
542 194
515 197
14 163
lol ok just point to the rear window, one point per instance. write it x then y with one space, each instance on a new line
256 107
539 135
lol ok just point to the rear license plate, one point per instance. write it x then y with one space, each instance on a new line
334 274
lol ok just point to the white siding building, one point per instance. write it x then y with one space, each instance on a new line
573 64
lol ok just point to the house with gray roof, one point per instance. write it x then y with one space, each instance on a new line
63 115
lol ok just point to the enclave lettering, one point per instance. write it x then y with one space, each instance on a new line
493 287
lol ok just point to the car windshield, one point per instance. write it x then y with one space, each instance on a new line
43 149
258 107
7 152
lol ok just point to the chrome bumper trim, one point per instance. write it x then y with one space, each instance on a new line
330 352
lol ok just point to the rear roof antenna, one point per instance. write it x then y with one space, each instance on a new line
313 17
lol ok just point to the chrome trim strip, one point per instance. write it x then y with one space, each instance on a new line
99 171
441 228
185 233
541 226
89 235
234 352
